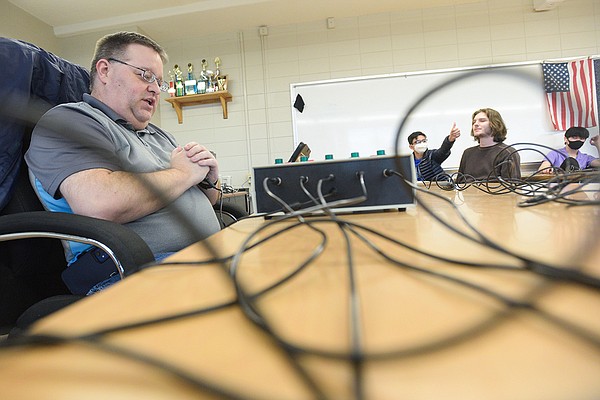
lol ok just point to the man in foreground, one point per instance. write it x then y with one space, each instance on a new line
103 158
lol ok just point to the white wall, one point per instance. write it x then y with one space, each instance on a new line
260 70
17 24
259 128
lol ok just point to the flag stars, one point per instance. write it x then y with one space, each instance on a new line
556 77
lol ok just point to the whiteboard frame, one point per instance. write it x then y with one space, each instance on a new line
519 126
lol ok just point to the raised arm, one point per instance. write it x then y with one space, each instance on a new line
443 152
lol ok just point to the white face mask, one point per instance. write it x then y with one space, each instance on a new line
420 147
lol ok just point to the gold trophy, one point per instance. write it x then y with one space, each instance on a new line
220 81
179 89
190 82
204 83
171 90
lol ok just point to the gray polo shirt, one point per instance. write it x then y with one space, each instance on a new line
78 136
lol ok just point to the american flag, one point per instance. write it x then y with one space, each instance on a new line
570 93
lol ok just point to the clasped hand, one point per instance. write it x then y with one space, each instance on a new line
196 162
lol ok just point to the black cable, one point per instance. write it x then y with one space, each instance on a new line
248 306
360 357
529 186
550 271
254 315
356 356
436 345
313 351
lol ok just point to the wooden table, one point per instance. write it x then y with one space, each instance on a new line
339 329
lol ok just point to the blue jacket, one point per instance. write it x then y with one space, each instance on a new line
32 81
431 164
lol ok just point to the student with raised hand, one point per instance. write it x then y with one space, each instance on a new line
569 157
103 158
491 158
428 161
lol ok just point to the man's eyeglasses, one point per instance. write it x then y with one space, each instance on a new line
420 141
146 75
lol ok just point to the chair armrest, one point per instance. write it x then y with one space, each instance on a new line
228 213
130 250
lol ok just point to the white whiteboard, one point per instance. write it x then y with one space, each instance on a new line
363 114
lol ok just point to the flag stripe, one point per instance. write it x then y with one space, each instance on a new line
555 105
576 116
589 93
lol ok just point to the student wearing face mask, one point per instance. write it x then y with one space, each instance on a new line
428 161
569 157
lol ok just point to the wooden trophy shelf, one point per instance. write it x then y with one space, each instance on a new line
178 103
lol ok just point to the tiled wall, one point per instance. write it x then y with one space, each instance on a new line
261 69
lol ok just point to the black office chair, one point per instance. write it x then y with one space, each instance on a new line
31 254
228 214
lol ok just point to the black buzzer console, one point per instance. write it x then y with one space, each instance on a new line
341 181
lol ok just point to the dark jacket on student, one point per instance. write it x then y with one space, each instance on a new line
429 166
